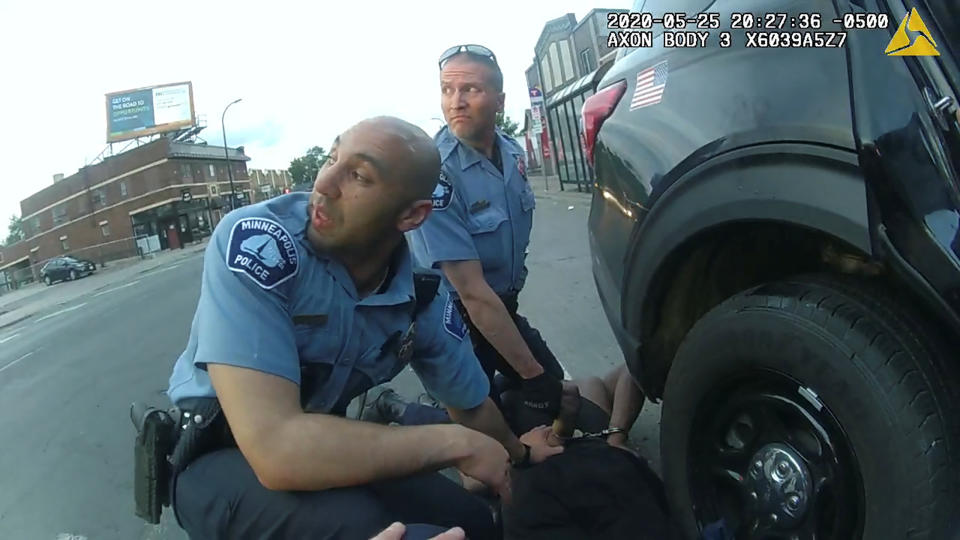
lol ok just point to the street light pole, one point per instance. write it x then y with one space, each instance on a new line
226 155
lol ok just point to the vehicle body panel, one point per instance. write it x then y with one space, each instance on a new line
759 134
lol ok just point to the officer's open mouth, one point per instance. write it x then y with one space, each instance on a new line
319 219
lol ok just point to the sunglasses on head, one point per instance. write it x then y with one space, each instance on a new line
478 50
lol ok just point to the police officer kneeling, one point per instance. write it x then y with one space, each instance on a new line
306 302
480 229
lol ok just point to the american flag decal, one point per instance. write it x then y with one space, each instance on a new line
650 85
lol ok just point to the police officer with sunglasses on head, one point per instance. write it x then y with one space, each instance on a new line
480 228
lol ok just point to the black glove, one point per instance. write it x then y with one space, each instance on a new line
542 394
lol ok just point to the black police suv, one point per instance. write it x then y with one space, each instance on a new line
66 268
774 234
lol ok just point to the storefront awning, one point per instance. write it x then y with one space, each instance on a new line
577 87
25 258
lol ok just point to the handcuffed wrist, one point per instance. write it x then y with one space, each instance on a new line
524 461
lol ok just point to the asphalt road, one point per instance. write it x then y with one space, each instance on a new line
68 375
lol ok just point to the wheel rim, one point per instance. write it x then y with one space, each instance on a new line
770 459
73 275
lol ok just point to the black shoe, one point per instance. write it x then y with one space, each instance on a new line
428 400
386 408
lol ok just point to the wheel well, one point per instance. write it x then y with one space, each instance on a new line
720 262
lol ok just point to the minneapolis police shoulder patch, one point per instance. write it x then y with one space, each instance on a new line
443 193
452 321
263 250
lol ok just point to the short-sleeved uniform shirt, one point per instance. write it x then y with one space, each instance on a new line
269 301
479 213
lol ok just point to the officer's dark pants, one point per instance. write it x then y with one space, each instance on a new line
491 360
219 497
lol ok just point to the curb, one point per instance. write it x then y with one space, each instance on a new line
15 321
25 302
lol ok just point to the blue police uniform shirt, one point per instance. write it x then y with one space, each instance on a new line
478 213
269 301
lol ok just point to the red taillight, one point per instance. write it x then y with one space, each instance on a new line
596 109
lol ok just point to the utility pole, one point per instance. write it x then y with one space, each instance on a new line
226 155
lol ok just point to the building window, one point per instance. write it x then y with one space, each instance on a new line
545 72
36 224
555 65
568 72
59 214
586 60
99 198
64 244
212 170
105 228
123 189
185 171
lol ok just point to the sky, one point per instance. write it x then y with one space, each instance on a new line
305 71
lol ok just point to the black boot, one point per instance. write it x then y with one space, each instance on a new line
386 408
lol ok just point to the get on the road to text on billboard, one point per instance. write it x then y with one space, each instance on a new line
145 111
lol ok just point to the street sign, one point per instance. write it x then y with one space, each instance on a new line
185 195
536 122
536 110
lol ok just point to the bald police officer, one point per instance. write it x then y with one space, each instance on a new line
306 302
480 227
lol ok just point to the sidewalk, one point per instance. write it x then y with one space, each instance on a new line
552 188
23 303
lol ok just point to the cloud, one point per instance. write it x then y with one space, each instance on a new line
305 71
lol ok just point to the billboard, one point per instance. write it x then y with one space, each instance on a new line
145 111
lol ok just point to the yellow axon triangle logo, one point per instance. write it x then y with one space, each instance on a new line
922 43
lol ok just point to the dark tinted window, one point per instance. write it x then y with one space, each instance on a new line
946 17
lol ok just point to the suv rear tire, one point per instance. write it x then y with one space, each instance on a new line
820 401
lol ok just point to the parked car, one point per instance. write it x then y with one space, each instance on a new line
774 236
66 268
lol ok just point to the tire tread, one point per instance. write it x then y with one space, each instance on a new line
906 358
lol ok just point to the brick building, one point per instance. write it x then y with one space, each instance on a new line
160 195
569 58
268 183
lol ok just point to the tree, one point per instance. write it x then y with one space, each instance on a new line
304 168
509 127
15 228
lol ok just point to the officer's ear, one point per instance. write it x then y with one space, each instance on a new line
414 215
501 101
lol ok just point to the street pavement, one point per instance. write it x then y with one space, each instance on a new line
69 372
